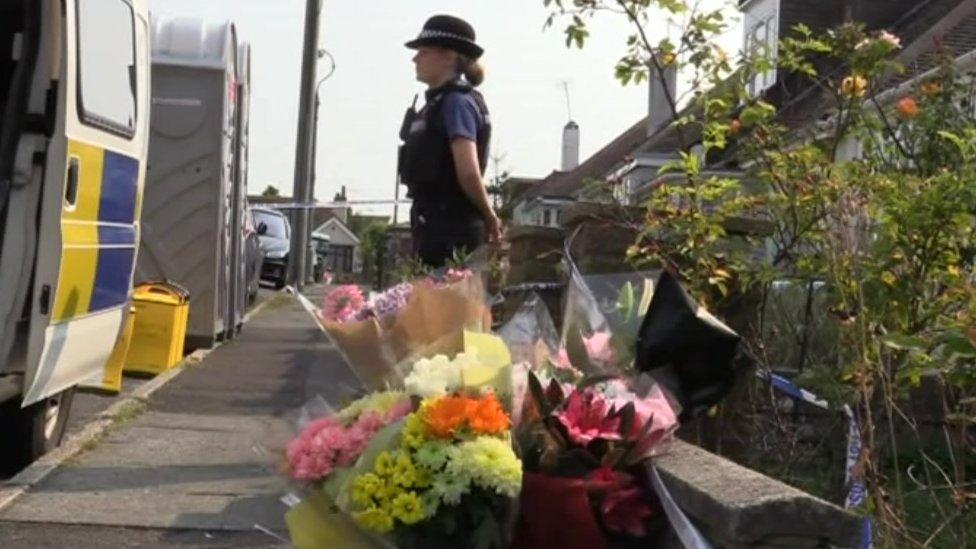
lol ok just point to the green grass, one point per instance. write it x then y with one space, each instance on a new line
128 411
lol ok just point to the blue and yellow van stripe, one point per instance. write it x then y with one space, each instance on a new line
98 233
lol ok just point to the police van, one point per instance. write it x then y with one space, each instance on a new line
74 114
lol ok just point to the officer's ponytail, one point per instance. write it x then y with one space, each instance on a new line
472 69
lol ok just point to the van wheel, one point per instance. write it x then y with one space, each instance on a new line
279 284
31 432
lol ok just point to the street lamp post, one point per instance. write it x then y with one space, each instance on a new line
315 120
313 157
299 249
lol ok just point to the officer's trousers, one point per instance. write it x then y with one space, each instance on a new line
441 231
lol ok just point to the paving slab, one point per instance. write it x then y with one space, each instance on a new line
204 453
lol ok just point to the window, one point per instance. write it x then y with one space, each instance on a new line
340 259
762 39
547 217
107 66
276 225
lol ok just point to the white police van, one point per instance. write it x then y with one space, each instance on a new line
74 114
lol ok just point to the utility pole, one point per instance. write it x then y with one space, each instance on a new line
303 190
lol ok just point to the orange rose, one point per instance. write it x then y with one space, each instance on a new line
932 88
486 416
907 108
445 415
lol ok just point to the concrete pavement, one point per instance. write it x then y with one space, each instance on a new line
198 466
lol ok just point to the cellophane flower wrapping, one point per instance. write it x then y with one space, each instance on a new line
586 419
602 318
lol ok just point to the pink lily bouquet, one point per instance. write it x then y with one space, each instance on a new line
583 444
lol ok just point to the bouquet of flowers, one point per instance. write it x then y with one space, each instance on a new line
589 422
336 440
583 444
431 465
376 334
343 304
450 480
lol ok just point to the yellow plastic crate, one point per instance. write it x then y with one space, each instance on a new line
162 309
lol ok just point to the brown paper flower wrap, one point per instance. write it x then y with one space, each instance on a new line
430 323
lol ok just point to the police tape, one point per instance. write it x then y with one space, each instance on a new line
331 205
857 494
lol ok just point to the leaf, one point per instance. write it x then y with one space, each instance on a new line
576 349
645 430
613 458
554 394
487 535
953 138
902 342
538 395
754 114
627 414
958 346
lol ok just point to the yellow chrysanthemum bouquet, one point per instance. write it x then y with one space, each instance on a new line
445 475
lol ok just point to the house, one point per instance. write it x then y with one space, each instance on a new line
630 164
545 201
344 247
922 25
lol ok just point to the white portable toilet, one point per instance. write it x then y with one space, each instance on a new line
192 210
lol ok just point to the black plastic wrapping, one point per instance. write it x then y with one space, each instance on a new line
686 349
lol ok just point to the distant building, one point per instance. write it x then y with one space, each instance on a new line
344 247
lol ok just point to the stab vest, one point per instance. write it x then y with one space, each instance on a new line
425 162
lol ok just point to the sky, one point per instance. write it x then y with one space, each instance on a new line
363 102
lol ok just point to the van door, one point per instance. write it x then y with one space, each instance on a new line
93 186
23 27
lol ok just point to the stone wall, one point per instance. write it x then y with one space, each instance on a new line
736 507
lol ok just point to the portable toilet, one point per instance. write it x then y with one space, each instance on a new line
190 214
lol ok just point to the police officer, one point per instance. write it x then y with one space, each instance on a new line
445 145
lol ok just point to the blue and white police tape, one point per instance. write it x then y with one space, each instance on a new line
857 491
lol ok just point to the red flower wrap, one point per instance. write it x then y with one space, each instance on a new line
556 514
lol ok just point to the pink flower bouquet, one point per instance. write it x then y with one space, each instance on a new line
411 319
588 441
335 441
343 304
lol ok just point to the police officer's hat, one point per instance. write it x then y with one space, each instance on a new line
447 31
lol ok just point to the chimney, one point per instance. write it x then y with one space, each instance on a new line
658 107
341 212
571 145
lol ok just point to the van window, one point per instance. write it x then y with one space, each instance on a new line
277 226
106 66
